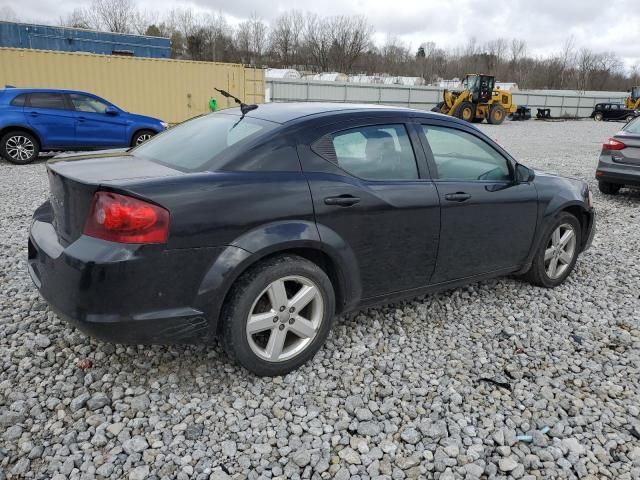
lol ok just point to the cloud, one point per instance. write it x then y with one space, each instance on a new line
543 24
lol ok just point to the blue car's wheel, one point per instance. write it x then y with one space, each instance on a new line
19 147
141 136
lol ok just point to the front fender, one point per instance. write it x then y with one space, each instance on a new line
271 239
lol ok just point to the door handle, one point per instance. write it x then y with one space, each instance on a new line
342 200
34 114
457 197
81 119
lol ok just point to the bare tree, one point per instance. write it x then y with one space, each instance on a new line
78 18
318 40
258 32
567 60
286 38
7 14
586 67
349 36
112 15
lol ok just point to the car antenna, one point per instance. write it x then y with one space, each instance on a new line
244 108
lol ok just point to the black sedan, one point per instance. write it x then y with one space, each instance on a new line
260 228
612 111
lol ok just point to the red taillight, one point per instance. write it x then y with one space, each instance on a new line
613 144
123 219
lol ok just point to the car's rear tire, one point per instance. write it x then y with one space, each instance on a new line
558 252
141 136
609 188
629 118
497 114
278 315
598 117
19 147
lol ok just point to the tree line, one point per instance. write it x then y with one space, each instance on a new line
314 43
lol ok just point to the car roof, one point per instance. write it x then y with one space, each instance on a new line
17 91
290 111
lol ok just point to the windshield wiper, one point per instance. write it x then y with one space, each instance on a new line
244 108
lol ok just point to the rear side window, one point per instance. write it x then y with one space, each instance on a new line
47 100
201 144
461 156
633 126
19 100
377 152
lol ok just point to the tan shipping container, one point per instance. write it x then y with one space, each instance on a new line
171 90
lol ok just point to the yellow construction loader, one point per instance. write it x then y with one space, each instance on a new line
633 100
479 100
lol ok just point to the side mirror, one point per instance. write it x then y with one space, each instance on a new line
524 174
111 110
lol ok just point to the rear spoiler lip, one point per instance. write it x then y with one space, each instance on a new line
66 156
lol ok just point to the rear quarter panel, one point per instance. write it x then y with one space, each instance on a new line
222 208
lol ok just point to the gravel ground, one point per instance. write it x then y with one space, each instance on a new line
495 380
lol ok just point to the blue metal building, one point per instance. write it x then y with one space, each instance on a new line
44 37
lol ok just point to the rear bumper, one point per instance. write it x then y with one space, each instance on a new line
122 293
614 172
619 177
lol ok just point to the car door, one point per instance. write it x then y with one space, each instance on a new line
608 112
52 119
370 191
488 220
95 125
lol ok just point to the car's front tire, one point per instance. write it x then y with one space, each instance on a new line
558 252
278 315
598 117
609 188
141 136
19 147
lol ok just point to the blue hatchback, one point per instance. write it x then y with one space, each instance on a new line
34 120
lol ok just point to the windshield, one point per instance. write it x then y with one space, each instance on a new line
470 82
633 126
197 144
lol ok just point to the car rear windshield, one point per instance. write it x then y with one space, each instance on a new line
202 143
633 126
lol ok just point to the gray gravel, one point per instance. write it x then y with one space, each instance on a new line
495 380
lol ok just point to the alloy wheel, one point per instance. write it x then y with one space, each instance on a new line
285 318
560 251
143 138
20 148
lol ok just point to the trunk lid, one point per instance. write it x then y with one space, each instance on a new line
74 179
629 155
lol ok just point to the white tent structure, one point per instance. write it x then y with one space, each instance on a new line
328 77
284 73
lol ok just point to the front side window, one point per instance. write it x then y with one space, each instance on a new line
47 100
85 103
459 155
197 144
378 152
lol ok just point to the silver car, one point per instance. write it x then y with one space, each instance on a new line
619 163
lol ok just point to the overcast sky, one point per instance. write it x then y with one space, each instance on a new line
610 25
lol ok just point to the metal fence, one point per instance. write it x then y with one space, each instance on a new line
569 103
